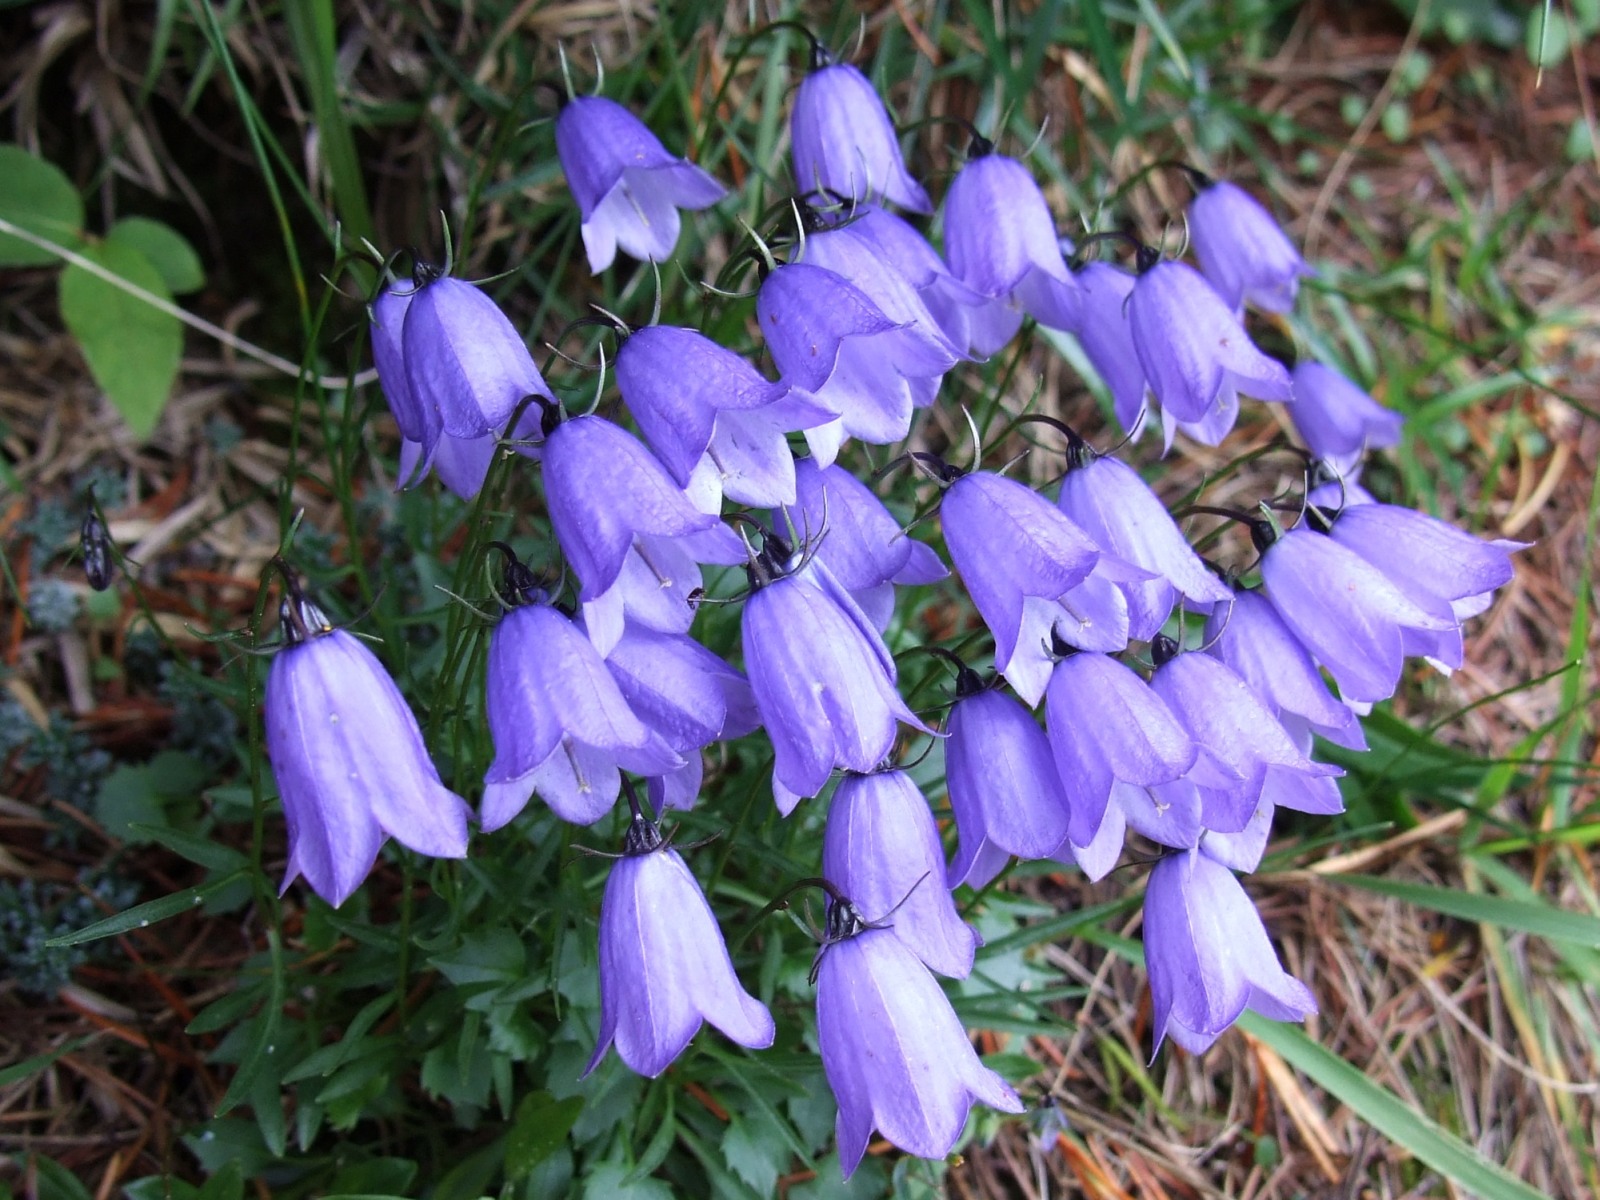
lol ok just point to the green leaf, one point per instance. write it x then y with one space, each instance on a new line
1527 915
1388 1114
226 1184
40 199
540 1128
141 796
56 1182
132 348
159 1187
196 849
756 1152
31 1066
141 915
168 250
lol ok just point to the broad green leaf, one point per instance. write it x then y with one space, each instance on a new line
539 1130
226 1184
168 250
1530 916
55 1182
1388 1114
40 199
132 348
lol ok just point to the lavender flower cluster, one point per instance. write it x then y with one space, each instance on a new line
863 320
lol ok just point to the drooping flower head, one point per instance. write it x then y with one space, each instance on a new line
560 725
628 187
1338 421
1195 353
823 680
836 348
348 758
694 399
1005 793
843 141
1208 955
466 368
639 507
1106 335
894 1051
882 846
1107 500
664 968
1000 239
1242 250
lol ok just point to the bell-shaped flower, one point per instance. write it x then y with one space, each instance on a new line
560 724
838 349
1005 793
858 539
628 187
1195 353
597 526
1430 560
686 694
838 242
1344 610
1106 725
1000 239
664 968
823 680
466 366
1108 501
1248 634
388 315
882 847
1106 335
1238 738
843 141
1208 955
1243 251
1018 555
894 1051
1338 421
349 760
900 246
693 399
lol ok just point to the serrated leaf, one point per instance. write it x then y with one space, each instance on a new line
540 1128
40 199
756 1152
168 250
132 348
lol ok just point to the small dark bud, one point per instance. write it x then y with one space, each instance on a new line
96 542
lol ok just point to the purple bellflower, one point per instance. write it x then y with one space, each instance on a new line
1243 251
1195 353
1108 501
628 187
693 399
894 1051
1001 242
858 539
1338 421
686 694
882 847
1240 742
838 242
349 760
664 968
1442 568
560 724
1005 793
1033 574
466 367
1344 610
639 507
823 680
901 247
1208 955
838 349
1106 335
844 142
1248 634
1107 725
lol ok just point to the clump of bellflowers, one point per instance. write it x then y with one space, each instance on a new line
1142 697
